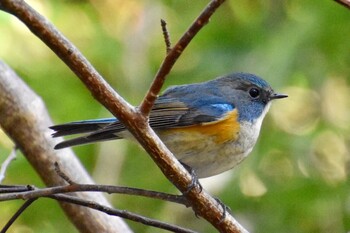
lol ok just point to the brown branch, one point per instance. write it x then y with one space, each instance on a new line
24 118
345 3
15 189
121 213
202 203
30 192
166 36
63 175
56 193
175 53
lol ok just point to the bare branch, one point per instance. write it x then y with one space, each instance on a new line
6 163
15 189
29 192
121 213
62 174
166 35
175 53
75 187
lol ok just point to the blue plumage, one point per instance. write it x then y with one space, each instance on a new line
238 100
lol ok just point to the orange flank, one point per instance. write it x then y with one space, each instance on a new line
225 129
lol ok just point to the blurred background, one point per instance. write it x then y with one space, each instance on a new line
296 178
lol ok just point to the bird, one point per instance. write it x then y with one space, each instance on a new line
210 126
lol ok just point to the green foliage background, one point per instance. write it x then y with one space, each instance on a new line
296 179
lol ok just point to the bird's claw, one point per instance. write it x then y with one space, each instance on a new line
225 209
194 181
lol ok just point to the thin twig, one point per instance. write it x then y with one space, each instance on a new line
75 187
56 193
17 214
62 174
121 213
175 53
108 210
15 188
26 194
6 163
166 35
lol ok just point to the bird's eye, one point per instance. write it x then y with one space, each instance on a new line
254 92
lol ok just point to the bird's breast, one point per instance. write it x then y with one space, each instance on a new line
214 147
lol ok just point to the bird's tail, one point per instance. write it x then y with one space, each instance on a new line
97 130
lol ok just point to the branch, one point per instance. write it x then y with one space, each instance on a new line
166 37
120 213
202 203
175 53
24 119
30 192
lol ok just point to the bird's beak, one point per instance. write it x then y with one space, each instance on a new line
277 96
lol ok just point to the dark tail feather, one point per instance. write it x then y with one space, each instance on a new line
86 140
81 127
98 130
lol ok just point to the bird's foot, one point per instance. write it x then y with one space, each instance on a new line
194 181
225 209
